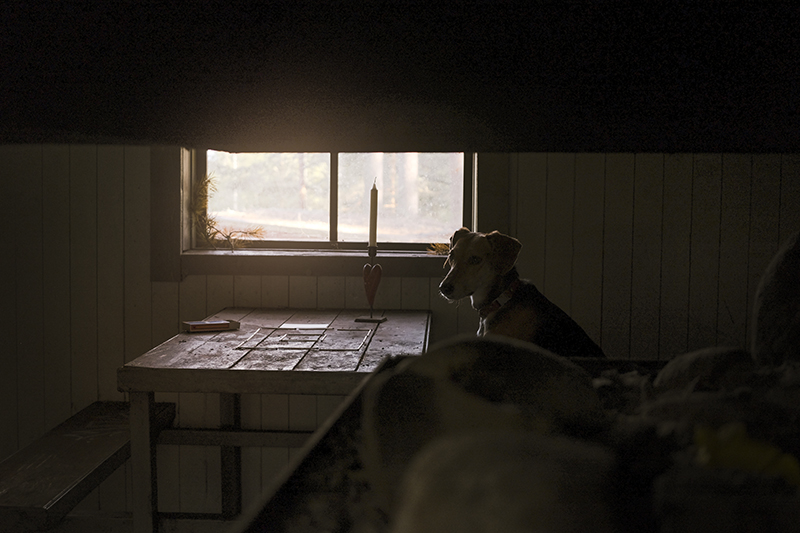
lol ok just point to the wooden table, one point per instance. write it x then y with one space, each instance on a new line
276 351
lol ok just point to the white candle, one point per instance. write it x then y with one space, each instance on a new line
373 215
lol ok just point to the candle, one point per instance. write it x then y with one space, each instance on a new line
373 214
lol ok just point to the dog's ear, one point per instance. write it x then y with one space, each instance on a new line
505 250
457 235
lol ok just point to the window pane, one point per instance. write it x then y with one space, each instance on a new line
286 194
419 195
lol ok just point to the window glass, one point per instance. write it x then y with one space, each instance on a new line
287 195
419 195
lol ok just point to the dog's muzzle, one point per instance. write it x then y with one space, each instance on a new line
446 289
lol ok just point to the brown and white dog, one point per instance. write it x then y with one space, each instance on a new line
482 268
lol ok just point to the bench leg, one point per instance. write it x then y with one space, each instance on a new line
143 463
231 457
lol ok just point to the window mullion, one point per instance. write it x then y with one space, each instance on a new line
334 195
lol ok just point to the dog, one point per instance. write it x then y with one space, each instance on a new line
482 267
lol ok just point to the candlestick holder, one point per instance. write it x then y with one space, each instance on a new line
372 278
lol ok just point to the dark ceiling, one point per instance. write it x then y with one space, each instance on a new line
489 76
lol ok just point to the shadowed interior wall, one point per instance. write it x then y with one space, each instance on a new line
653 254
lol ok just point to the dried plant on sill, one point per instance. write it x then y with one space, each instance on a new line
206 225
438 248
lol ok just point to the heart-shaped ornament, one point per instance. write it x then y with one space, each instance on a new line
372 278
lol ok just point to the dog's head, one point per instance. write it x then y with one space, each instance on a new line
475 261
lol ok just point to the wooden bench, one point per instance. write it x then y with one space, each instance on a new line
44 481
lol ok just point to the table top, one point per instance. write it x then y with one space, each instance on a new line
282 351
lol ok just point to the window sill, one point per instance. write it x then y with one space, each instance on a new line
308 263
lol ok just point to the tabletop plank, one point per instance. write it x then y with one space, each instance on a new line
399 335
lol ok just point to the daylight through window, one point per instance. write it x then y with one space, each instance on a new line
324 197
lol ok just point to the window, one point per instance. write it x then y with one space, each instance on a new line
322 200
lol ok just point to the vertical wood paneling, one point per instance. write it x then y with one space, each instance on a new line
764 219
9 415
493 199
733 311
29 297
646 255
444 319
331 292
192 295
219 293
303 292
531 199
704 269
675 254
275 291
389 295
354 297
110 269
559 223
657 247
251 456
165 300
274 416
587 265
790 196
247 291
56 337
199 465
138 322
83 274
617 250
415 293
11 163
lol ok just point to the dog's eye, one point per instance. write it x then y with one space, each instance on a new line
474 260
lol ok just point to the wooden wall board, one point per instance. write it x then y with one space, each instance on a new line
415 293
83 274
646 255
389 295
733 311
790 196
199 465
192 298
704 266
302 412
675 256
442 314
110 269
764 224
559 226
138 322
30 298
587 266
331 292
56 336
274 291
617 255
219 292
247 291
493 199
531 201
9 413
302 291
165 311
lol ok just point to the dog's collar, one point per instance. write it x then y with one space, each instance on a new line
501 300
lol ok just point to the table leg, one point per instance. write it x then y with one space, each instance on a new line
143 463
230 415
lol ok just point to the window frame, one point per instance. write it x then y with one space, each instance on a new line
194 169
